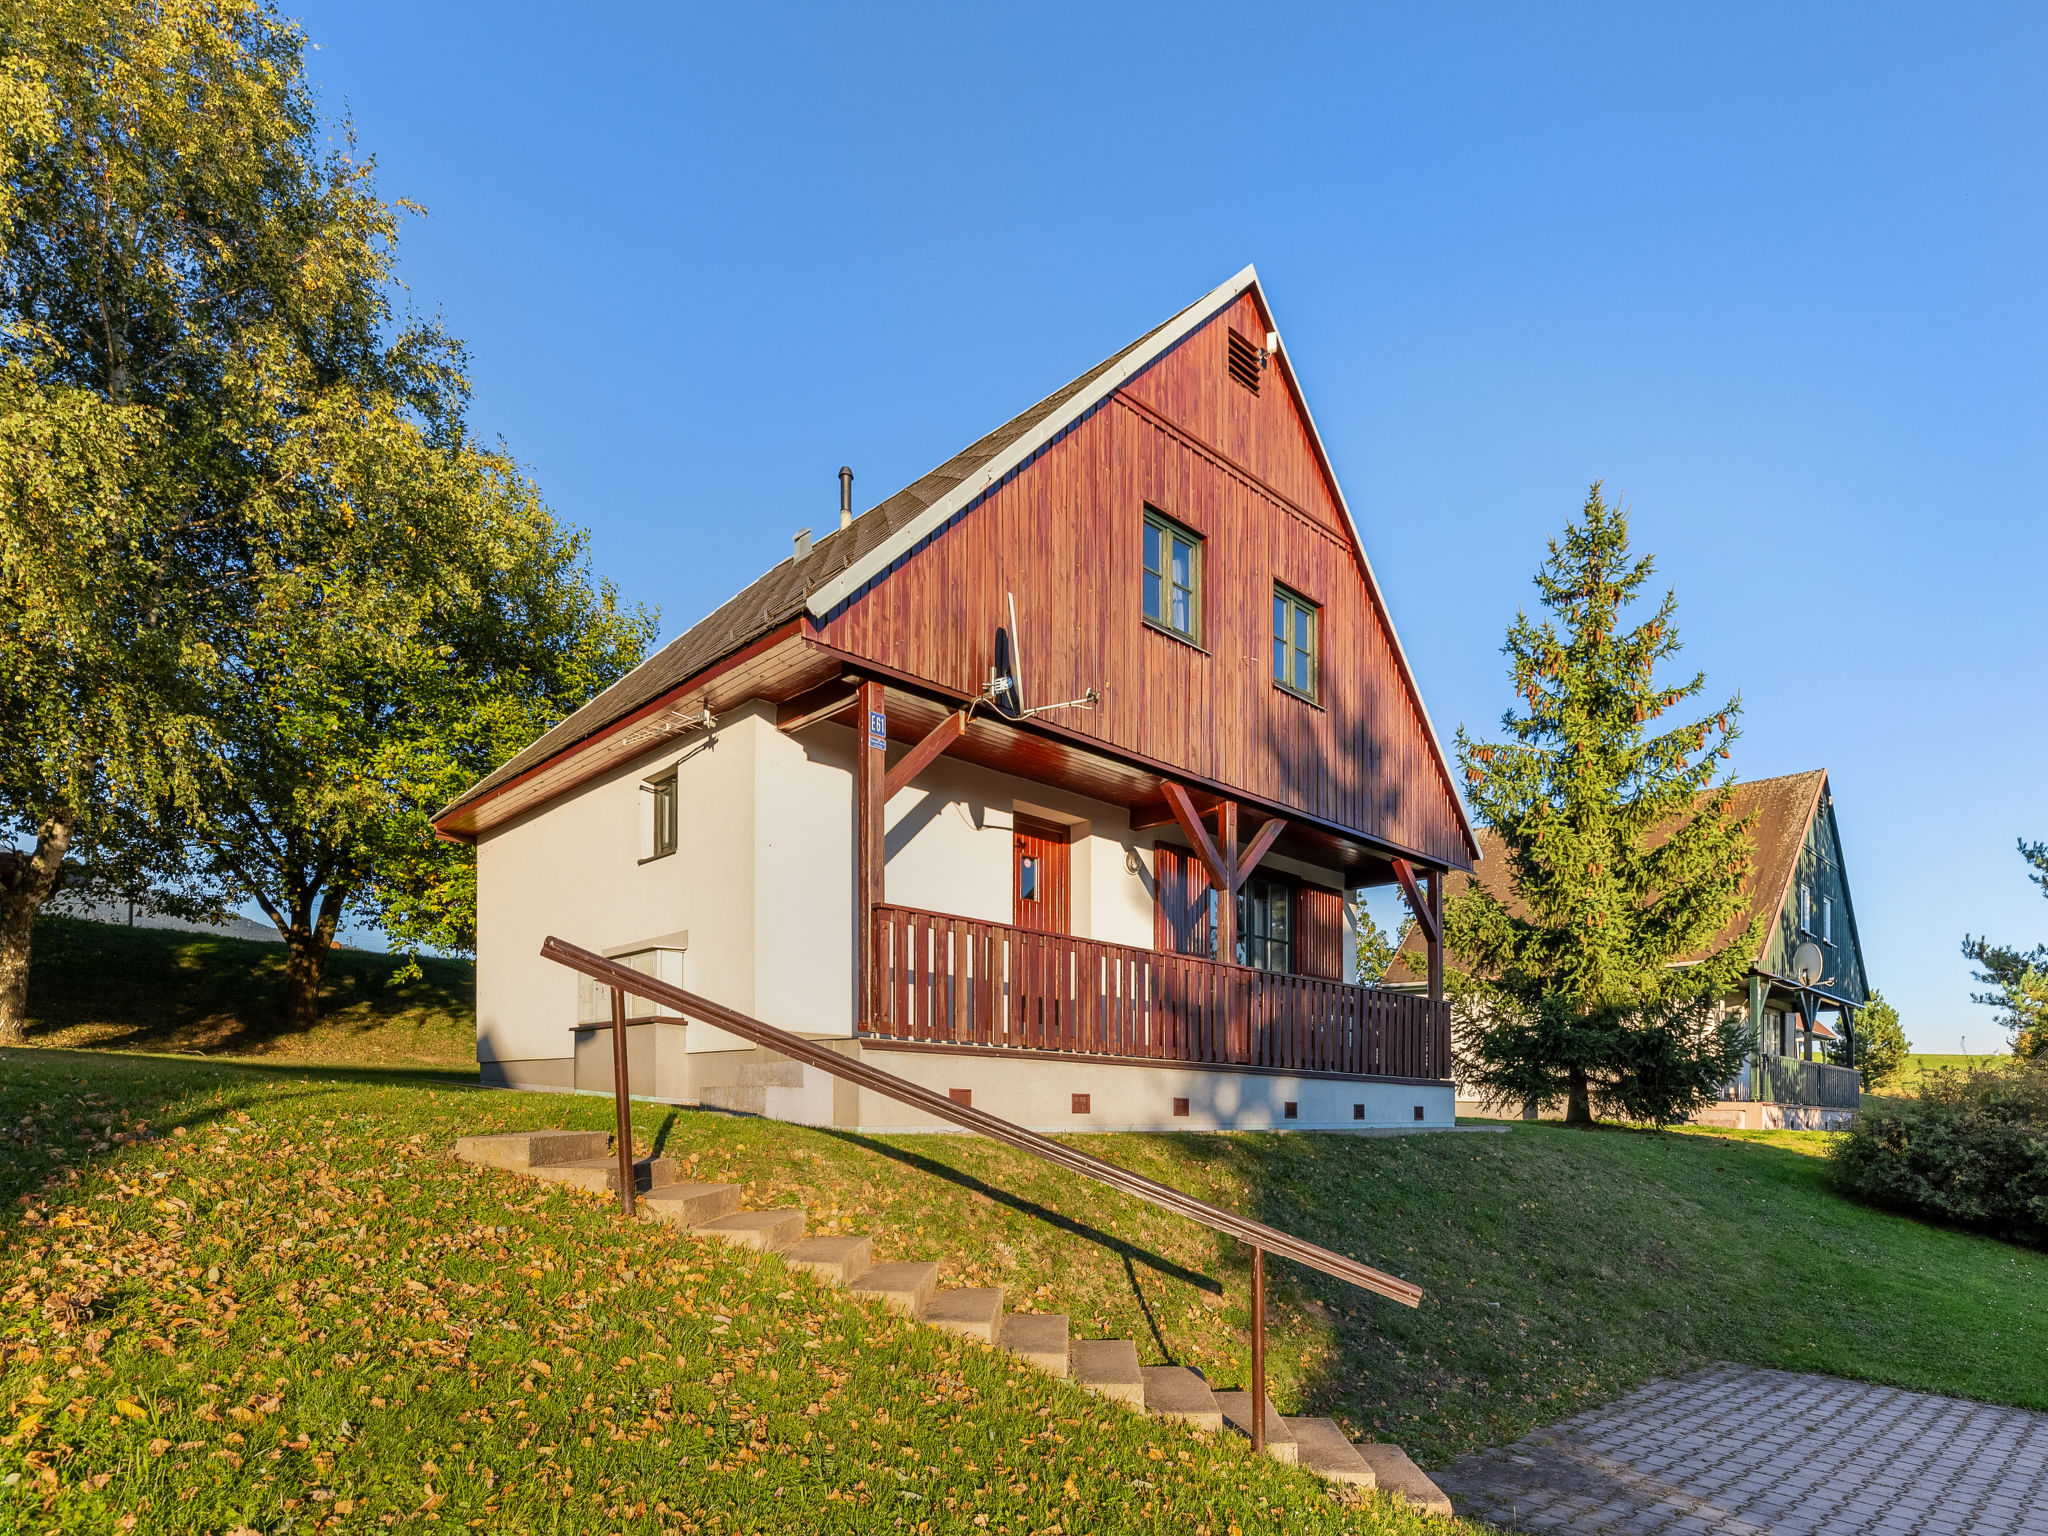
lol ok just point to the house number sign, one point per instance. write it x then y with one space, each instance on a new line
878 730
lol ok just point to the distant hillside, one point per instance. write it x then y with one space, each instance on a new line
154 989
1919 1065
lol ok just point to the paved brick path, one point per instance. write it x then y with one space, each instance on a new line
1768 1453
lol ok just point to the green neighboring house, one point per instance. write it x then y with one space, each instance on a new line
1799 884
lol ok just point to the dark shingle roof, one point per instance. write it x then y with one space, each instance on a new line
780 595
1784 808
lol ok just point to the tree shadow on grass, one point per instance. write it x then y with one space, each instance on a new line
1129 1254
45 1093
105 986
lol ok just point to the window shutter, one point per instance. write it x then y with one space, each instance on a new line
1319 933
1181 884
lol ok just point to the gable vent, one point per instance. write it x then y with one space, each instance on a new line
1245 362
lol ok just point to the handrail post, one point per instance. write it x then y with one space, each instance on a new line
1258 1350
621 1099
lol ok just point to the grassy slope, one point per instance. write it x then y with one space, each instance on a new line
243 1298
103 984
1919 1065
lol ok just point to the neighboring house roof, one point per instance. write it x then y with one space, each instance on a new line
1784 809
846 561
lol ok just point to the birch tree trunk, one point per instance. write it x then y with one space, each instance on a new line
26 882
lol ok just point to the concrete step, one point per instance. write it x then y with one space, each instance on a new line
1237 1413
1037 1338
835 1260
1325 1451
1395 1473
523 1151
740 1099
1175 1392
966 1310
767 1231
905 1287
689 1205
600 1175
772 1074
1109 1368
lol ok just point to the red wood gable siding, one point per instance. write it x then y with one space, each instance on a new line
1064 535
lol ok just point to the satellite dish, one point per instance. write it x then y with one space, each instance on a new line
1005 689
1006 682
1807 964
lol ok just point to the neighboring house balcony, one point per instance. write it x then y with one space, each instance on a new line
1787 1080
956 982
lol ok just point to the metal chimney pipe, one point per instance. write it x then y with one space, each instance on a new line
845 496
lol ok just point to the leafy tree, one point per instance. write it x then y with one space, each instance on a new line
2017 979
1880 1043
1603 983
1372 948
261 565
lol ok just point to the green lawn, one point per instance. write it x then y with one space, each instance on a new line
107 985
250 1299
1919 1065
311 1259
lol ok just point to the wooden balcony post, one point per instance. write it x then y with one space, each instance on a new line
1435 892
870 775
1226 896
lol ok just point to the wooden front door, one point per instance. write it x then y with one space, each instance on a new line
1038 876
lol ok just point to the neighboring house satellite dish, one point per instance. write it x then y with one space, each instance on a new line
1808 963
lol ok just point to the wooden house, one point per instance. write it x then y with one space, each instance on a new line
1042 783
1798 886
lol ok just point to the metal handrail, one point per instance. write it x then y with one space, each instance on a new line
1259 1237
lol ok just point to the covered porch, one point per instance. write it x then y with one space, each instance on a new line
1204 996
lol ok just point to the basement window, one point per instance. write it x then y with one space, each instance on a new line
1290 1110
594 998
1245 361
1180 1106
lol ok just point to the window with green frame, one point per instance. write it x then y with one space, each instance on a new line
1173 577
1294 642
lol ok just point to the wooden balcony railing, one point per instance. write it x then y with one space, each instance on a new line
955 981
1788 1080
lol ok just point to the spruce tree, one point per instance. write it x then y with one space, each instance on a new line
1603 981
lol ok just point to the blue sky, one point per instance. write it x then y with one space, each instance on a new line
1774 273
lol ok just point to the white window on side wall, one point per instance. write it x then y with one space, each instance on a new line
594 998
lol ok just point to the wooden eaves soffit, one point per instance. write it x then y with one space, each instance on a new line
908 598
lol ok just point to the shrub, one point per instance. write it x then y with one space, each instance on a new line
1973 1148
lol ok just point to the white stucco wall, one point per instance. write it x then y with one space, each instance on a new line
762 879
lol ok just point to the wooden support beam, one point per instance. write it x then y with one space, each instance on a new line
1417 902
1256 849
1191 826
940 737
1436 935
870 774
1226 898
1157 814
808 717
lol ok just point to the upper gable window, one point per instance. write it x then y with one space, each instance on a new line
1294 642
1805 908
658 817
1827 919
1245 361
1173 577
